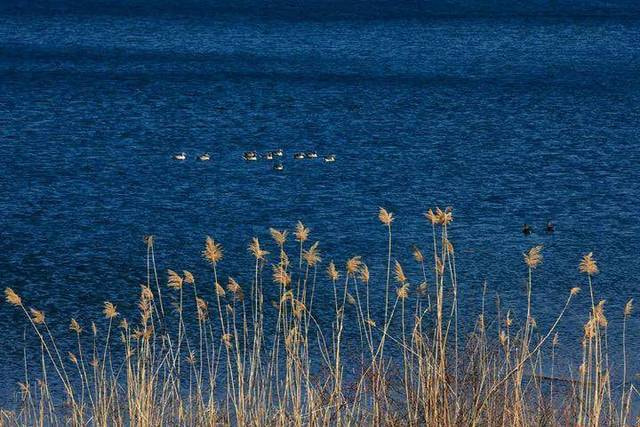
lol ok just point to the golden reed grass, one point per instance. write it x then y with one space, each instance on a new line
219 356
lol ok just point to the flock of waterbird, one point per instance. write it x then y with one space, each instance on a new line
275 155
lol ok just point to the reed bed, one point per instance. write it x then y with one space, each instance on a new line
211 352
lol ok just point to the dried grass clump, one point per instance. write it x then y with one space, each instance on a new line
237 361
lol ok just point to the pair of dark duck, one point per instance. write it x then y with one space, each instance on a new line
527 229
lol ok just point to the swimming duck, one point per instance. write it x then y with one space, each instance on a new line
180 156
330 158
278 166
278 152
550 227
526 229
269 155
299 156
204 157
311 154
250 155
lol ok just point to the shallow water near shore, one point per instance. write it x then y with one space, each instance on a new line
512 119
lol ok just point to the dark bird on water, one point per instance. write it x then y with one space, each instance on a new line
526 229
550 227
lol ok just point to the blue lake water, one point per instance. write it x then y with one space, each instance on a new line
510 113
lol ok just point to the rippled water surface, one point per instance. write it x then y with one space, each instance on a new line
508 117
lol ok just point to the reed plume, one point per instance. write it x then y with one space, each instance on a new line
385 217
533 258
37 316
333 272
312 255
280 236
302 232
401 278
212 251
174 281
256 250
588 265
12 297
353 265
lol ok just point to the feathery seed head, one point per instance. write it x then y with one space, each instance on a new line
598 314
191 358
588 265
350 299
188 277
73 358
297 308
12 297
286 296
202 309
212 251
508 320
444 217
503 337
403 291
448 245
254 248
401 278
371 323
235 289
302 232
385 217
364 274
233 286
353 264
24 390
333 272
628 308
292 338
575 291
226 339
280 275
534 257
37 316
432 217
147 333
312 255
174 281
423 288
590 329
148 240
109 310
146 293
75 326
439 266
219 290
279 236
284 260
417 255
